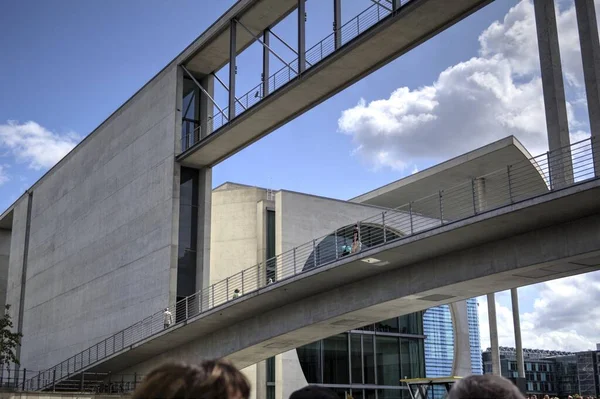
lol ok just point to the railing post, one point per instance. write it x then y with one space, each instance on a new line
549 170
38 382
383 220
186 308
134 380
54 380
441 208
294 254
410 214
81 382
24 377
473 195
336 245
227 288
510 193
243 281
213 295
357 25
315 253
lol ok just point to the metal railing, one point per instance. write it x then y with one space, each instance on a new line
514 183
314 55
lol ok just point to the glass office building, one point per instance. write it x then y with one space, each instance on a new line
439 344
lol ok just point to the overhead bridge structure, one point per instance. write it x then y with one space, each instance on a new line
356 48
507 229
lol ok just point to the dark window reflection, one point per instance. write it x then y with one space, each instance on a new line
310 360
335 360
388 360
389 394
369 359
356 359
188 233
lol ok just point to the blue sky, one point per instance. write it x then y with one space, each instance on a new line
68 64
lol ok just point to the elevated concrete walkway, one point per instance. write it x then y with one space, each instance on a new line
380 38
551 236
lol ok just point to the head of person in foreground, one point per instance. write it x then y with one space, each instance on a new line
313 392
211 379
485 386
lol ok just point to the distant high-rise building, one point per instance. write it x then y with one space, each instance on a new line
439 345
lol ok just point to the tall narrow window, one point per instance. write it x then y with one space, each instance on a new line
271 261
188 233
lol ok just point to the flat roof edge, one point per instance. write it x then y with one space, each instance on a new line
432 170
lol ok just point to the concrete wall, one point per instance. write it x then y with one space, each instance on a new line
4 259
15 261
100 246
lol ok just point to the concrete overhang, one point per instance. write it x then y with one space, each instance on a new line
411 25
484 162
210 52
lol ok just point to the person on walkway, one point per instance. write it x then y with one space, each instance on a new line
356 244
313 392
168 318
212 379
236 293
485 386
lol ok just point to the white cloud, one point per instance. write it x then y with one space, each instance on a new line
562 318
31 143
496 94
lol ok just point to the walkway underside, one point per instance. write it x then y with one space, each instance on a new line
549 237
413 24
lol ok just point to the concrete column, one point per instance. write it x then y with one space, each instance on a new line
301 36
461 364
232 67
560 164
266 59
261 380
491 300
590 55
204 195
337 23
514 295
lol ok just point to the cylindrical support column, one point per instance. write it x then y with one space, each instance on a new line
514 295
337 23
266 58
491 300
559 162
232 67
590 56
301 36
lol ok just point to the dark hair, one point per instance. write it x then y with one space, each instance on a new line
212 379
313 392
485 386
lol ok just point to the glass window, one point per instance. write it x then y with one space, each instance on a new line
356 359
188 232
412 323
412 358
370 394
369 359
271 260
271 369
336 365
388 360
388 326
357 393
310 360
270 392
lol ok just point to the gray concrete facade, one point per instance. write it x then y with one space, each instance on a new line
99 252
5 236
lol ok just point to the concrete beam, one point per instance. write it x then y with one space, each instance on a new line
590 55
557 124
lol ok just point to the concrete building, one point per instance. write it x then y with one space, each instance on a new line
250 225
553 373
